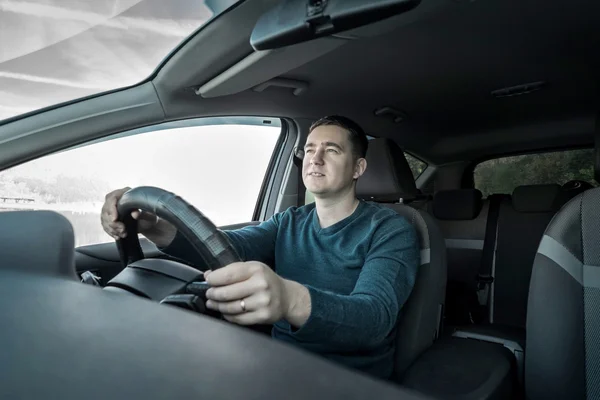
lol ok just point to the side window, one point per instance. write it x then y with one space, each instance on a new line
217 165
503 175
416 166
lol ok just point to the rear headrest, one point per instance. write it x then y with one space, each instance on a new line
538 198
388 176
460 204
40 242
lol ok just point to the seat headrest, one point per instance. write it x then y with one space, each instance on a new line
459 204
538 198
40 242
388 176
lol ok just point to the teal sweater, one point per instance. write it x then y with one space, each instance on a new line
359 273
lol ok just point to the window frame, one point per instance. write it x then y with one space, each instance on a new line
182 123
275 174
269 184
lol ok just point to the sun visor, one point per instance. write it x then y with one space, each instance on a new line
264 68
261 67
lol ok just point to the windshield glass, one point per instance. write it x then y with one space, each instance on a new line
52 51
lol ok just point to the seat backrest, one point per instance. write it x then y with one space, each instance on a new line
388 179
40 242
563 316
462 216
521 224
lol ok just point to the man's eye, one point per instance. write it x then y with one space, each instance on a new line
308 151
332 151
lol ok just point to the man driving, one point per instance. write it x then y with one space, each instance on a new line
331 276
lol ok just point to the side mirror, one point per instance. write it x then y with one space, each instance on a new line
297 21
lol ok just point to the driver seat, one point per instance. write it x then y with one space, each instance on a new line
388 180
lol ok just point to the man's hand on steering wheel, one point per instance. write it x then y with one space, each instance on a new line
110 216
246 293
249 293
158 231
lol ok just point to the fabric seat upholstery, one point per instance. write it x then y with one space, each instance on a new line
462 216
563 318
389 180
563 314
521 224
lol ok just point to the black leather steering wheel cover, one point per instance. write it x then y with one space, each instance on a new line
211 244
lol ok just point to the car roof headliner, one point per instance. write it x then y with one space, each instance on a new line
439 69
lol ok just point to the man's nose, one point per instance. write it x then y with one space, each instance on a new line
317 157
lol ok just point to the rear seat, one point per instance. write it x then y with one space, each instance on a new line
482 356
520 228
485 358
521 223
455 367
462 215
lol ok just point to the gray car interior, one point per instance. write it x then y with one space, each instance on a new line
88 343
389 177
565 281
498 311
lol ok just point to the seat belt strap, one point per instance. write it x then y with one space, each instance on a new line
298 158
485 277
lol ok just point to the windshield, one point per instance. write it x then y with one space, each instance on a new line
52 51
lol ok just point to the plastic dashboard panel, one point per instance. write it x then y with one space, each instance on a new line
63 339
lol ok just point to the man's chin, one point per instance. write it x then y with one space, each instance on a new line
321 194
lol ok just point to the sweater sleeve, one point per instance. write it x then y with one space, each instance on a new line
369 313
252 243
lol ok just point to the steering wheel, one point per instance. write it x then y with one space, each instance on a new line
165 280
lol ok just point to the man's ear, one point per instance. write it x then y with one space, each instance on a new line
360 167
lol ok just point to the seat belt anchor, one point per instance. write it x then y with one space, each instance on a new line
484 280
483 288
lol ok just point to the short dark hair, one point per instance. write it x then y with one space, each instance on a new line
356 135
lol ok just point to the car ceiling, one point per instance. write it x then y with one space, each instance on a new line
437 64
439 69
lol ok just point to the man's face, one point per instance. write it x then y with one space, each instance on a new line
329 167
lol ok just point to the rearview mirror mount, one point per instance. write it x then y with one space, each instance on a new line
297 21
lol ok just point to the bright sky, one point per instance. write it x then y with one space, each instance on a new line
218 169
53 51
